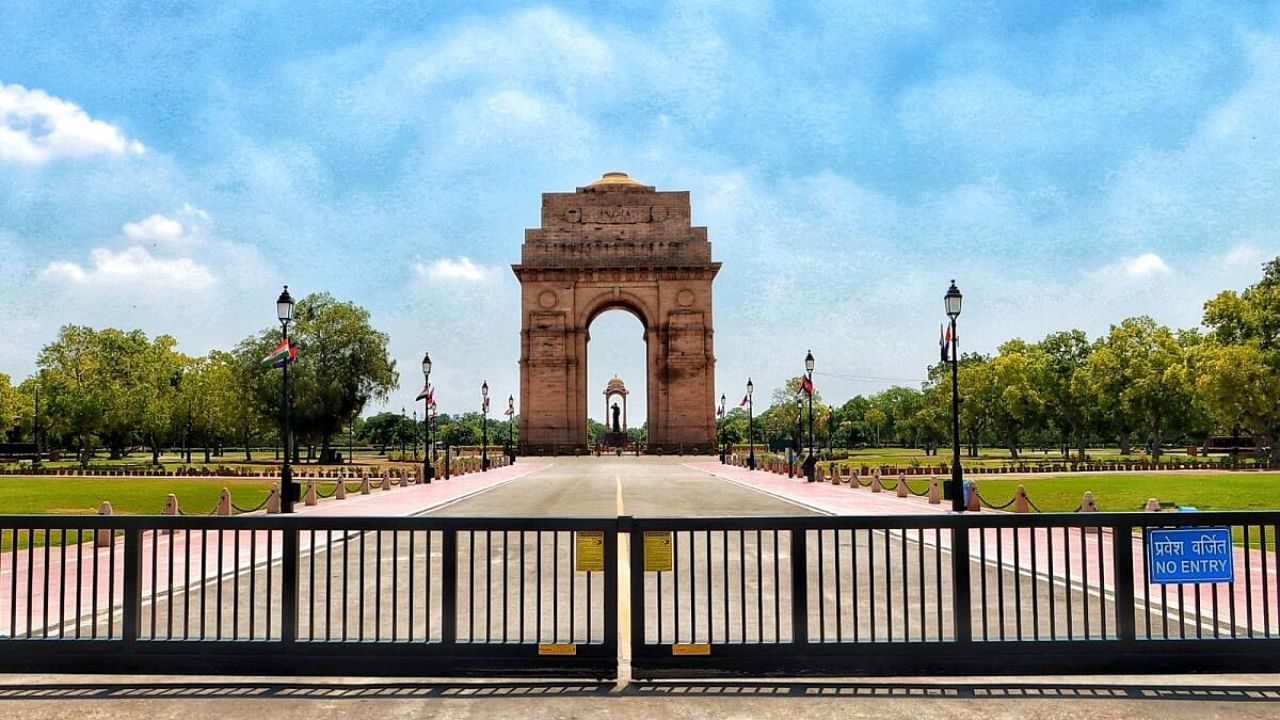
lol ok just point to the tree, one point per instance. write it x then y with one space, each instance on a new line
342 364
1235 383
10 406
1057 359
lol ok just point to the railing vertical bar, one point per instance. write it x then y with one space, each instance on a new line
328 585
999 579
361 587
937 576
426 587
44 614
555 586
235 587
982 583
724 576
111 589
311 592
449 589
854 578
1122 577
799 587
906 606
709 575
30 578
204 574
186 584
1053 598
1070 586
79 578
395 584
412 597
253 581
839 599
506 547
871 582
537 603
924 619
742 584
218 591
1035 587
522 553
346 573
62 584
961 587
777 592
488 587
888 584
590 602
822 590
1017 583
759 587
168 576
131 602
675 575
1199 612
377 585
155 584
1248 585
1182 613
271 535
1102 585
289 579
1084 566
14 551
471 586
1266 585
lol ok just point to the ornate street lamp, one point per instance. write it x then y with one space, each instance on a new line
722 419
751 427
288 492
415 434
428 469
484 432
403 419
511 419
952 302
810 462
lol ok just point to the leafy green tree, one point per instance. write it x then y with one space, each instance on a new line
342 364
1235 383
11 407
1057 359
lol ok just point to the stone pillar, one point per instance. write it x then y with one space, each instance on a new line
273 500
1021 503
1153 505
309 497
875 481
386 481
935 491
902 485
104 536
364 485
224 502
971 493
340 492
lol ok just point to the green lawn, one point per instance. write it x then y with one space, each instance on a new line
1129 491
129 496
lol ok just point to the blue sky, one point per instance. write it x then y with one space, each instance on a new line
1069 164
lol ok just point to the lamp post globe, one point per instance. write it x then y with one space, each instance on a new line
810 463
288 492
751 428
484 426
955 488
428 468
722 419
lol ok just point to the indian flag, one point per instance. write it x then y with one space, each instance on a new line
285 352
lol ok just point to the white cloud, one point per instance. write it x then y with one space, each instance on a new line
132 266
36 127
462 269
1142 266
155 227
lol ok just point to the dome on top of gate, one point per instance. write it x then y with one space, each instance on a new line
615 386
616 178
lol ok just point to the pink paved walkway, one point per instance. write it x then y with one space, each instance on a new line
65 575
1078 555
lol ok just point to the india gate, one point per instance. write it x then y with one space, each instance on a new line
616 244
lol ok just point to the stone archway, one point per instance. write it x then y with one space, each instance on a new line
616 243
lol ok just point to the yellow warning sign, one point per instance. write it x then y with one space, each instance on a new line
657 551
557 649
589 555
691 649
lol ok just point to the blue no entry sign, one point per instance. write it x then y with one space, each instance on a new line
1189 555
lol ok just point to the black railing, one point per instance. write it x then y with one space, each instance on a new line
428 596
882 595
286 595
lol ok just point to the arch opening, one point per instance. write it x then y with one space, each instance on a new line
617 375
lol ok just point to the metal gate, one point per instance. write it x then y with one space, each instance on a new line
275 595
882 595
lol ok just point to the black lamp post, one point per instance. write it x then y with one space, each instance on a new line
484 426
35 429
956 487
722 419
511 419
810 462
288 492
428 469
751 427
404 419
415 434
